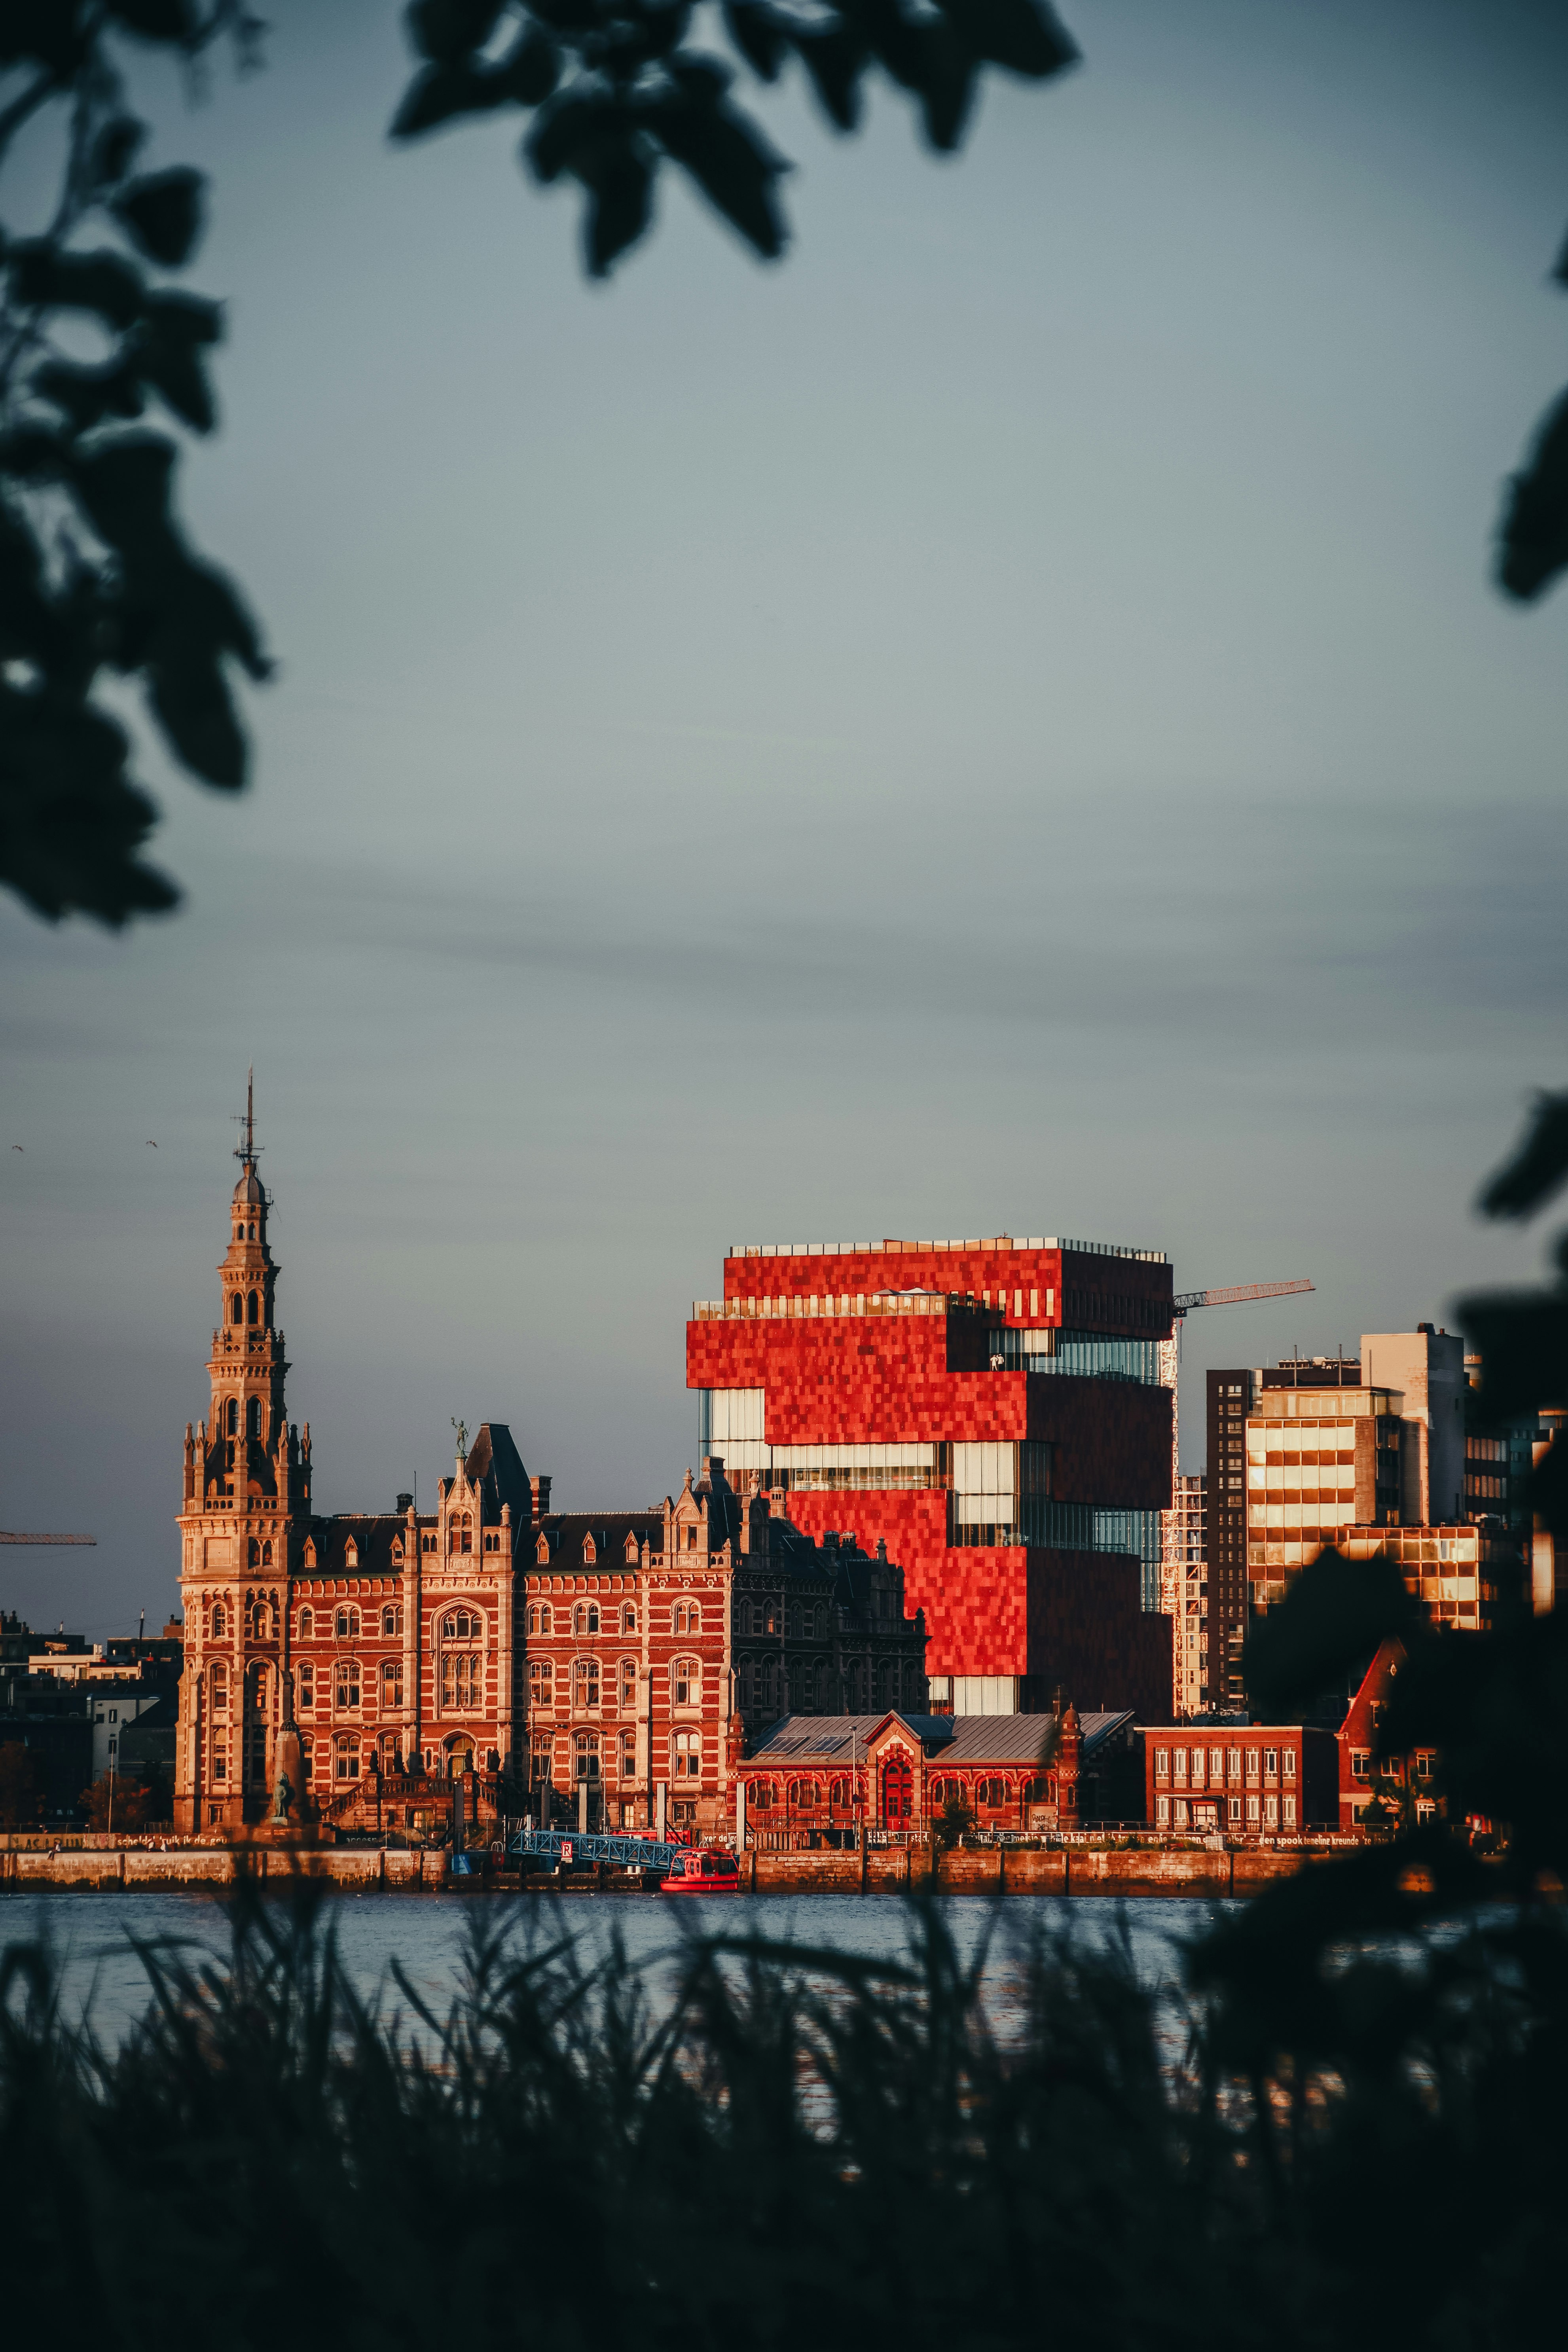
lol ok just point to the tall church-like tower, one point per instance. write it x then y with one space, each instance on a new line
246 1509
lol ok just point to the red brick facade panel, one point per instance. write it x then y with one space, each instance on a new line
858 1381
1033 1288
1089 1635
1115 1451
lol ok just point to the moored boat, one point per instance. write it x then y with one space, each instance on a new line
705 1870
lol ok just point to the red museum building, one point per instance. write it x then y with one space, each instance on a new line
993 1413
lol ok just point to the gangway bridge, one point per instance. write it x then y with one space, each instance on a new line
629 1853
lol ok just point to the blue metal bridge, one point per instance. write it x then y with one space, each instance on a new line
575 1846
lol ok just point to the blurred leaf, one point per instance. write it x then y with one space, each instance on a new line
1523 1340
1548 1489
1330 1620
834 59
1022 35
158 20
89 394
70 822
1539 1165
162 213
757 36
533 68
439 92
730 161
620 185
446 30
568 131
102 283
116 149
1532 539
947 85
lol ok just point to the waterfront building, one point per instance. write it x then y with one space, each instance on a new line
1184 1597
993 1411
816 1781
1241 1781
606 1662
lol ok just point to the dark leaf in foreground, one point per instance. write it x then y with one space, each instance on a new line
1523 1340
162 214
1532 537
1539 1165
1327 1627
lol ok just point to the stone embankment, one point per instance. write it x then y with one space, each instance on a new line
990 1870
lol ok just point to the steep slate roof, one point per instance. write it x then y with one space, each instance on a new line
495 1466
374 1538
970 1739
564 1531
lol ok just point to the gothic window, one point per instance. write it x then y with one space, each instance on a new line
691 1538
628 1684
306 1680
541 1551
237 1315
307 1624
267 1555
391 1618
392 1683
586 1746
351 1559
629 1618
629 1755
687 1617
347 1626
254 1553
586 1617
218 1686
309 1553
250 1309
541 1682
685 1683
462 1625
231 1417
462 1679
492 1543
587 1681
467 1531
220 1621
539 1617
428 1541
631 1548
345 1757
590 1551
348 1685
253 1416
260 1614
685 1754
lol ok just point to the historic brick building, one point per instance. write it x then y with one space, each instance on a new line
491 1641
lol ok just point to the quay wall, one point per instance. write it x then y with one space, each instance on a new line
985 1870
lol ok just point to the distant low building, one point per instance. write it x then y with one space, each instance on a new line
1243 1780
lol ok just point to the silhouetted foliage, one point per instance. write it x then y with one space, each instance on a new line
95 574
615 92
21 1786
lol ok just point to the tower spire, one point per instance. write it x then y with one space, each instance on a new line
246 1151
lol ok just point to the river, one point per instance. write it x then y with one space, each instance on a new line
94 1935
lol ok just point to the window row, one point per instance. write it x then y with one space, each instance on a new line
591 1757
1265 1812
1223 1764
590 1684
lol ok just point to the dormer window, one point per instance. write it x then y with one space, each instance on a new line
309 1556
590 1553
351 1553
541 1551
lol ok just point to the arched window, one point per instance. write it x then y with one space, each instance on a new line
586 1755
347 1625
267 1555
629 1618
586 1617
538 1618
462 1625
253 1416
345 1757
307 1625
991 1793
765 1797
585 1683
462 1679
686 1756
220 1621
467 1531
898 1791
391 1618
628 1685
238 1312
219 1688
946 1792
838 1797
305 1682
348 1684
260 1621
250 1309
541 1682
253 1232
687 1617
685 1683
254 1553
391 1683
231 1417
805 1796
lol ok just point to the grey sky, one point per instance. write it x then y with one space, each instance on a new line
998 724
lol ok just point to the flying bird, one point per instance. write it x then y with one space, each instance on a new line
15 1147
150 1142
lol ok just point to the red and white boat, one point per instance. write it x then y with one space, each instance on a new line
705 1870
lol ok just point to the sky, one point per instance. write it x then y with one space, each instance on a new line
997 723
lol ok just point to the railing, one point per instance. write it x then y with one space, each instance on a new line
630 1852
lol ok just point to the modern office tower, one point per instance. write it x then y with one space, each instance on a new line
992 1411
1336 1455
1229 1401
1184 1597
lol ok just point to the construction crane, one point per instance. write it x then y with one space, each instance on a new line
1236 1295
6 1536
